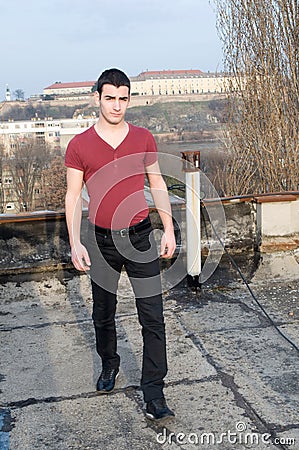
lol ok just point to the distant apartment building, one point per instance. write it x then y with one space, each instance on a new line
151 83
54 132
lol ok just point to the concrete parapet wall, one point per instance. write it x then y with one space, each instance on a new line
278 222
33 242
280 219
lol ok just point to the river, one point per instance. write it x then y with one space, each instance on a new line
170 155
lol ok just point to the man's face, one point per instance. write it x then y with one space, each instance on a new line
113 103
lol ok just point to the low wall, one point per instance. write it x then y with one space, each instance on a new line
256 227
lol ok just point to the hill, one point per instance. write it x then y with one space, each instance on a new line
192 120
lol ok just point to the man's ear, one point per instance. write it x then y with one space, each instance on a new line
96 97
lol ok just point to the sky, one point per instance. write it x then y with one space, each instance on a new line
45 41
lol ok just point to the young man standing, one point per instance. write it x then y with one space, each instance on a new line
111 158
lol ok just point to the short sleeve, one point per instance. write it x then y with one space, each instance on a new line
151 155
72 157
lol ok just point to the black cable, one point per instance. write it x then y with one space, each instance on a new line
179 187
248 287
182 187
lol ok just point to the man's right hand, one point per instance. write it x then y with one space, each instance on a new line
80 257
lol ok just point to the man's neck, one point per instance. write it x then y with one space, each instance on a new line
102 126
113 134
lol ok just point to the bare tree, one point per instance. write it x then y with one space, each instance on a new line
54 184
2 153
19 94
25 162
261 47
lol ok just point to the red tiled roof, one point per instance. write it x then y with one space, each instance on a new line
171 72
75 84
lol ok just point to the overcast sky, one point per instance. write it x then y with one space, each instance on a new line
44 41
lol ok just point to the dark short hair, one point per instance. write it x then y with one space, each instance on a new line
113 76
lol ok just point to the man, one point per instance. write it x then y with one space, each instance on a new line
111 158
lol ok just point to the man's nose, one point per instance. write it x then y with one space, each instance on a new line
117 105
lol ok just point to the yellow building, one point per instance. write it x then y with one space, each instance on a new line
151 83
177 82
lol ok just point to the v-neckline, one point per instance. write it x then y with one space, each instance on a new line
107 143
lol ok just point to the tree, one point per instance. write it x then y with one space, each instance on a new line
94 87
2 153
54 184
26 162
261 48
19 94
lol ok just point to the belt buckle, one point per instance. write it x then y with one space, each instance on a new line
124 232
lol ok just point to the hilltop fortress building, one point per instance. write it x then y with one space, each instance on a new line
177 82
152 83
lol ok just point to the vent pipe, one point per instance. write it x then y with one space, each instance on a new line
191 168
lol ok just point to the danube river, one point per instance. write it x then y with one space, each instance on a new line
170 155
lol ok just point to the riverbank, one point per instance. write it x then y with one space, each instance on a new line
184 136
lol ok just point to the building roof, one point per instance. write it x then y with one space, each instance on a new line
150 73
167 74
74 84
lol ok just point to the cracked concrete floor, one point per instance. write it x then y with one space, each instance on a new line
232 380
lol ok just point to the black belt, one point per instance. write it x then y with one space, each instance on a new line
143 225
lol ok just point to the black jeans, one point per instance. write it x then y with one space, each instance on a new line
138 254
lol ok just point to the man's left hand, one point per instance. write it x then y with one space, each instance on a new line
168 244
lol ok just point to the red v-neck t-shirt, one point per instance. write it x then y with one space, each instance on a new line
114 178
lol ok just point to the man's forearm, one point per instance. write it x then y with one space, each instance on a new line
73 212
166 217
162 203
161 199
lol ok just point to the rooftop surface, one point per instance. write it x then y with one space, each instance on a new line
232 379
71 84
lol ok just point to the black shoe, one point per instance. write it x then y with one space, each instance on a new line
157 409
106 380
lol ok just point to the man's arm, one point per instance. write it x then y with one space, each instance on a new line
162 203
73 212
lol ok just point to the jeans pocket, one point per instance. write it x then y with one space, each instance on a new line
101 239
143 239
